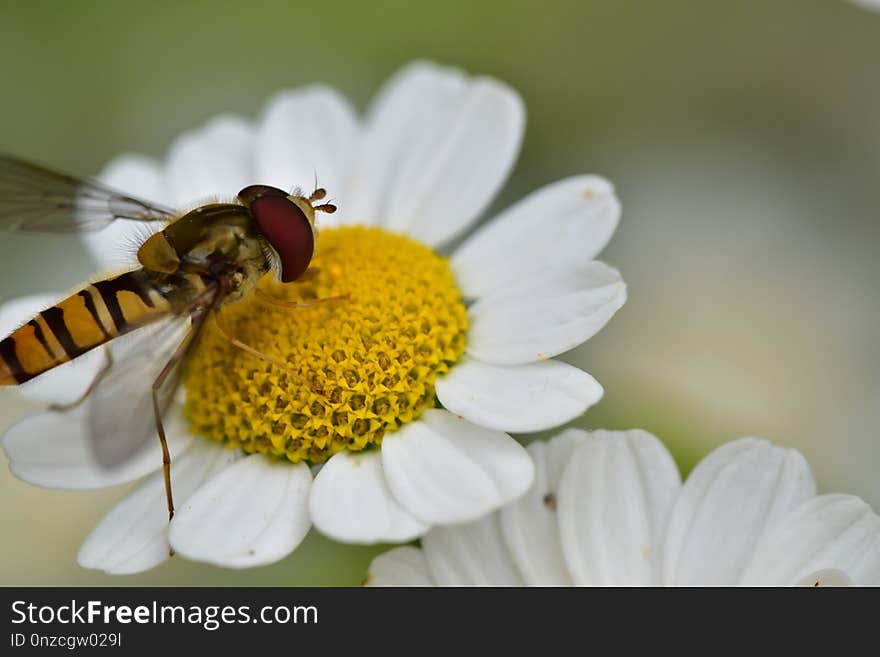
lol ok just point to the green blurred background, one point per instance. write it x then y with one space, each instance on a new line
743 137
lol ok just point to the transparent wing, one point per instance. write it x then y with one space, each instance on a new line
120 412
35 198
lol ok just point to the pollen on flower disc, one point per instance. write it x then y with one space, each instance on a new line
358 367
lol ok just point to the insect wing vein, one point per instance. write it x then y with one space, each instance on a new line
120 409
35 198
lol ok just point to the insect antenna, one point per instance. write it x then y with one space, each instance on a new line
329 207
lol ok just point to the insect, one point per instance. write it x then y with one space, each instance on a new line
198 262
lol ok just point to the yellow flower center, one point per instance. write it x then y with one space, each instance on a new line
355 368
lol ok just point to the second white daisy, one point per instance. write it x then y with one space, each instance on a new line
608 508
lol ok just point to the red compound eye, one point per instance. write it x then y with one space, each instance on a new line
287 229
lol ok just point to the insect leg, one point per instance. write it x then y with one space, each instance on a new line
224 330
105 368
179 354
309 274
300 304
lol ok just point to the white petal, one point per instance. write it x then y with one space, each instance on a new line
446 470
531 525
868 4
16 312
133 537
827 533
557 226
470 555
62 384
826 577
307 134
728 503
55 450
140 176
545 315
254 512
614 497
351 502
403 566
437 148
517 398
215 161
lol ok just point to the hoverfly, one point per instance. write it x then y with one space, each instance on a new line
197 262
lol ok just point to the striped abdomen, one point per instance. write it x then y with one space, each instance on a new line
97 313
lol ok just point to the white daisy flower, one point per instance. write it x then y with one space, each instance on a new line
374 459
608 508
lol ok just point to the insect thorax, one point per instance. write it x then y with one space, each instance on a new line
219 240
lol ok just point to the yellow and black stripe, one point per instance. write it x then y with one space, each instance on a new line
89 318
